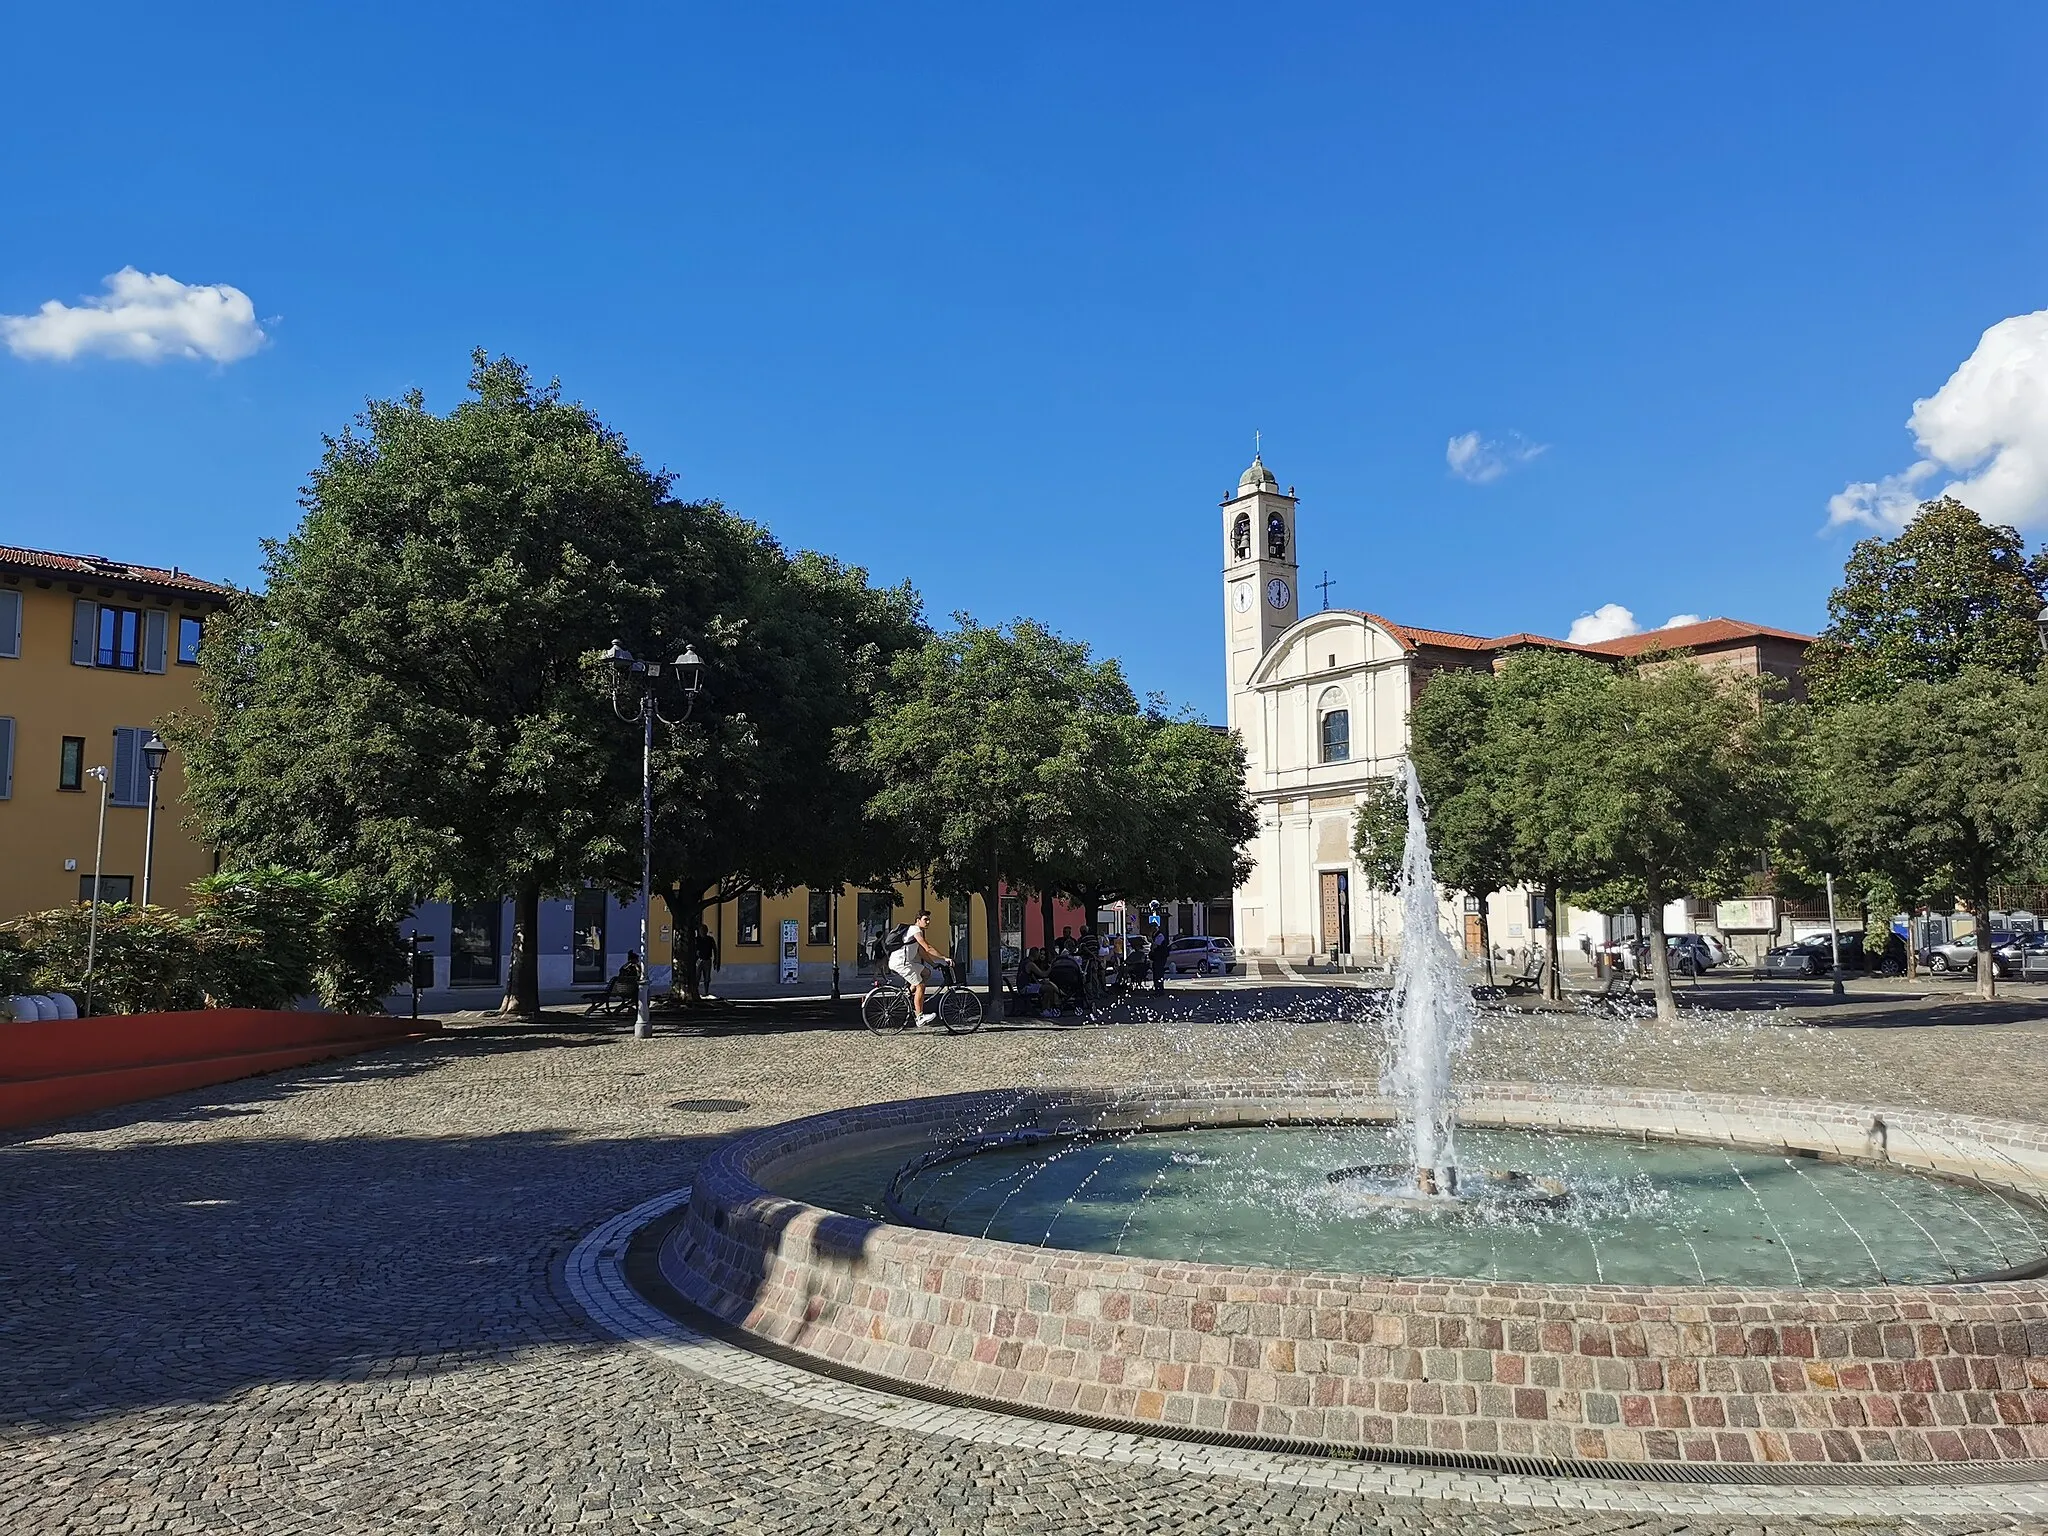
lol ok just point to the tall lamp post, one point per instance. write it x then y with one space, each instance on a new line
153 754
631 675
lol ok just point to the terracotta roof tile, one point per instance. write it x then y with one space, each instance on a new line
99 568
1693 636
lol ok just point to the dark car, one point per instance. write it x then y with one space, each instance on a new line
1812 956
2024 959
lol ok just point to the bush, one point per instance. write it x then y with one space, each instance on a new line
260 938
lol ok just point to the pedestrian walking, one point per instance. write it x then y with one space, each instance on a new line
707 959
1160 947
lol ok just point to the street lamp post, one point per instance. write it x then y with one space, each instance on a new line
92 923
1834 939
153 753
641 676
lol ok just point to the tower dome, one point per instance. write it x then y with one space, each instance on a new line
1257 478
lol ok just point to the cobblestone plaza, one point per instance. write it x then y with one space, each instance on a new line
340 1299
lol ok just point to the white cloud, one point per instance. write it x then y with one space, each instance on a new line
144 317
1987 425
1483 460
1610 621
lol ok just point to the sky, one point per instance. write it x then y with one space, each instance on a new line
1553 315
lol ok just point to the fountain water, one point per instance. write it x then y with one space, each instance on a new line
1431 1010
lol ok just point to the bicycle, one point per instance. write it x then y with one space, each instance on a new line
888 1009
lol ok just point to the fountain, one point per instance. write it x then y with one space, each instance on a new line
1432 1013
1610 1275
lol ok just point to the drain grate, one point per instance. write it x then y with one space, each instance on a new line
712 1106
643 1273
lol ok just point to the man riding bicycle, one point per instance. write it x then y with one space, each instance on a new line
908 963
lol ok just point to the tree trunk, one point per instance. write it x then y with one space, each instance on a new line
1486 940
1553 985
1660 953
1045 922
994 924
522 986
1980 898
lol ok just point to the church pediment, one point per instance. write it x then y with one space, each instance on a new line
1335 639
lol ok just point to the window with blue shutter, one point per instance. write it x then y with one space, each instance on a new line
85 632
6 758
131 780
156 629
10 623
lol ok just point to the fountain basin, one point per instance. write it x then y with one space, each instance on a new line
1653 1373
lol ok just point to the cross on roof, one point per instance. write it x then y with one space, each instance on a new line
1325 584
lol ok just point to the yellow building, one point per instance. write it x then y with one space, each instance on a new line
93 655
753 930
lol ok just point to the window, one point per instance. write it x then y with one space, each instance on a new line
188 641
818 917
131 774
1337 736
71 764
587 962
10 623
1241 537
1276 536
473 944
113 888
749 918
120 639
874 913
1336 726
6 758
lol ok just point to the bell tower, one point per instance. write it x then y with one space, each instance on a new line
1260 574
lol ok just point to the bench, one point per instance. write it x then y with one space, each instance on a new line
1530 978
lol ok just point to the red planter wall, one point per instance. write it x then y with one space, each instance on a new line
59 1067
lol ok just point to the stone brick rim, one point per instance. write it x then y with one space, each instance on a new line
1934 1375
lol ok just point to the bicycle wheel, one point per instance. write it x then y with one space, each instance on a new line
959 1011
886 1011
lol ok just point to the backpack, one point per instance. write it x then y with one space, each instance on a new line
898 937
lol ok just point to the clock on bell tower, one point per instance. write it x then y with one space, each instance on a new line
1259 573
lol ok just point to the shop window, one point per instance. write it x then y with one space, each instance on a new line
818 918
749 918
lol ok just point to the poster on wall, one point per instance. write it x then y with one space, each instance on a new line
1755 914
788 963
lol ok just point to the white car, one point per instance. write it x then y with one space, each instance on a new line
1204 954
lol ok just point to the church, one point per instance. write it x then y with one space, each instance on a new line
1322 705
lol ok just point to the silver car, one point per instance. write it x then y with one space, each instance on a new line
1959 954
1204 954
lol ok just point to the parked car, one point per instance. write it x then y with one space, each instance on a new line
2024 959
1691 955
1812 956
1960 954
1204 954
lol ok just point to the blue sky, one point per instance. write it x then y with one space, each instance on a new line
994 297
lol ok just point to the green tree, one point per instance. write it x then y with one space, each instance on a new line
1948 592
767 783
1940 783
1677 768
408 702
1379 831
1458 767
967 748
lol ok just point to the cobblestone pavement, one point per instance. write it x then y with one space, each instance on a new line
330 1300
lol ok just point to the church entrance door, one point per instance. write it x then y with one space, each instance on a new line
1336 912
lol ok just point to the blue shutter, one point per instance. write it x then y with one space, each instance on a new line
129 788
10 623
85 632
6 758
155 635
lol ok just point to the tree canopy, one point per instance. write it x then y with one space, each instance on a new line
1948 592
407 702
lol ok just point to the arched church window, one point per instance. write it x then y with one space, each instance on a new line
1335 721
1276 536
1241 537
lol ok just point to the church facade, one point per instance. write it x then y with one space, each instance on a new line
1322 704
